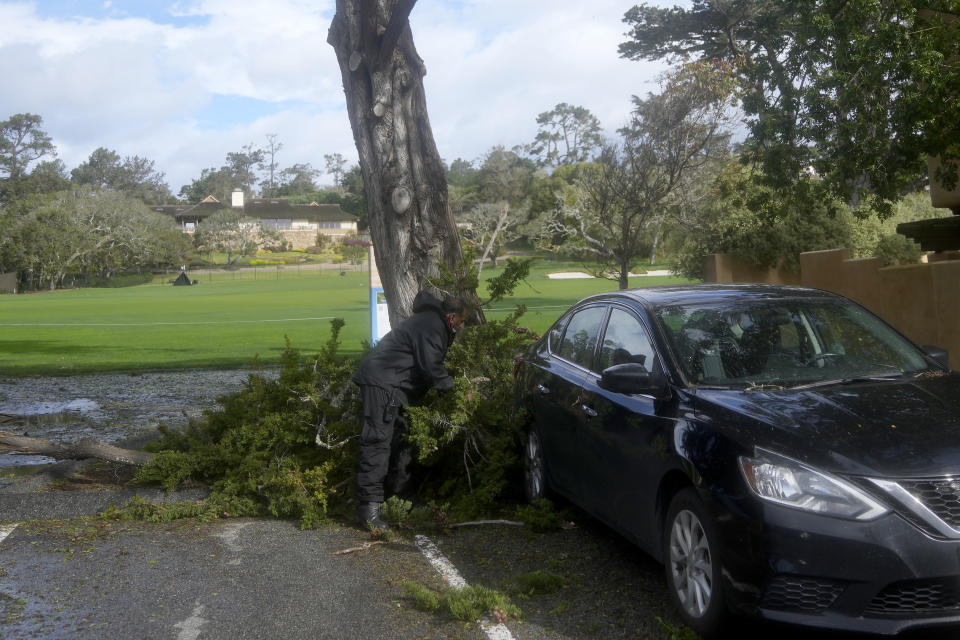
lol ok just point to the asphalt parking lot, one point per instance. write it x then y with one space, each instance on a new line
67 574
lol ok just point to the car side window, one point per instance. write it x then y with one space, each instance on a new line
555 333
580 338
625 341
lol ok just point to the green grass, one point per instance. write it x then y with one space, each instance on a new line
226 321
546 299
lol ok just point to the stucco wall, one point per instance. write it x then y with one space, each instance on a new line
922 300
726 268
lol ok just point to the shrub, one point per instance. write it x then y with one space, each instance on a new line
284 446
895 249
396 510
471 438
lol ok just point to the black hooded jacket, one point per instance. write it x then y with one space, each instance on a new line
410 357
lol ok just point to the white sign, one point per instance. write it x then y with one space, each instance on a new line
379 314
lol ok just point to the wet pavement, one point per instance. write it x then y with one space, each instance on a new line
66 573
107 407
243 578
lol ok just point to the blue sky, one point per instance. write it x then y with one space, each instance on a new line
184 82
158 11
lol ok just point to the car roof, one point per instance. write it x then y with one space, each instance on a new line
668 295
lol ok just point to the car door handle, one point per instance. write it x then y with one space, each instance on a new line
590 411
543 390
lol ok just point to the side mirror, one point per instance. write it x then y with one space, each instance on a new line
633 378
942 356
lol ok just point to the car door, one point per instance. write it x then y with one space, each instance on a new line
556 388
624 439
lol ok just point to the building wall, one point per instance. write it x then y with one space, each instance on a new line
921 300
303 238
300 238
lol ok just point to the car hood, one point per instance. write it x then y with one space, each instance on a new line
882 429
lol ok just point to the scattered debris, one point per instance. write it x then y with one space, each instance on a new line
362 547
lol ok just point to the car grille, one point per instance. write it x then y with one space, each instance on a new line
799 593
942 497
917 596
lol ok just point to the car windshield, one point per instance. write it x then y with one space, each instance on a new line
784 343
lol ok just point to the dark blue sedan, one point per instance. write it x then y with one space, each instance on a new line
783 451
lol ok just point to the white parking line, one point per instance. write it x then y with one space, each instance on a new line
494 631
190 628
6 529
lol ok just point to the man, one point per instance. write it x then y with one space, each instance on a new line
404 365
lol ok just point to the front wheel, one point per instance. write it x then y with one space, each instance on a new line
692 565
534 468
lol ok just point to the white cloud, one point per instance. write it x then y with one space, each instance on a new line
139 87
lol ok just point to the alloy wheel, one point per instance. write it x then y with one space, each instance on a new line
533 467
691 563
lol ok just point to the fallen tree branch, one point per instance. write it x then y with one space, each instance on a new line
86 448
363 547
512 523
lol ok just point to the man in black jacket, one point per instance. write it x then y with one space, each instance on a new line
404 365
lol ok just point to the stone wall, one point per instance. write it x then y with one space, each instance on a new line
921 300
300 238
303 238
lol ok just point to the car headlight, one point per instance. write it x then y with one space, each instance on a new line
787 482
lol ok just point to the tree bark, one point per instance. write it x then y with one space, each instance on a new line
501 222
411 224
86 448
656 241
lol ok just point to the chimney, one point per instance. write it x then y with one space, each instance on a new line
236 199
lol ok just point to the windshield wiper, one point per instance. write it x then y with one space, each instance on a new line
892 377
765 386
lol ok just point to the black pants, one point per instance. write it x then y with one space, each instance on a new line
384 457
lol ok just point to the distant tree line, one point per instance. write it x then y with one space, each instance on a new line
60 228
780 128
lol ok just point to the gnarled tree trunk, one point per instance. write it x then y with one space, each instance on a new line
411 224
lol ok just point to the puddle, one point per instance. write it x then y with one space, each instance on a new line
107 407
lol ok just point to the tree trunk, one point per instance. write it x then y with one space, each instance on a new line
86 448
411 225
656 241
501 222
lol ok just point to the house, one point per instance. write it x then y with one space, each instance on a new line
298 224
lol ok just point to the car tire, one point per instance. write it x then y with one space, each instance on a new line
692 565
534 467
